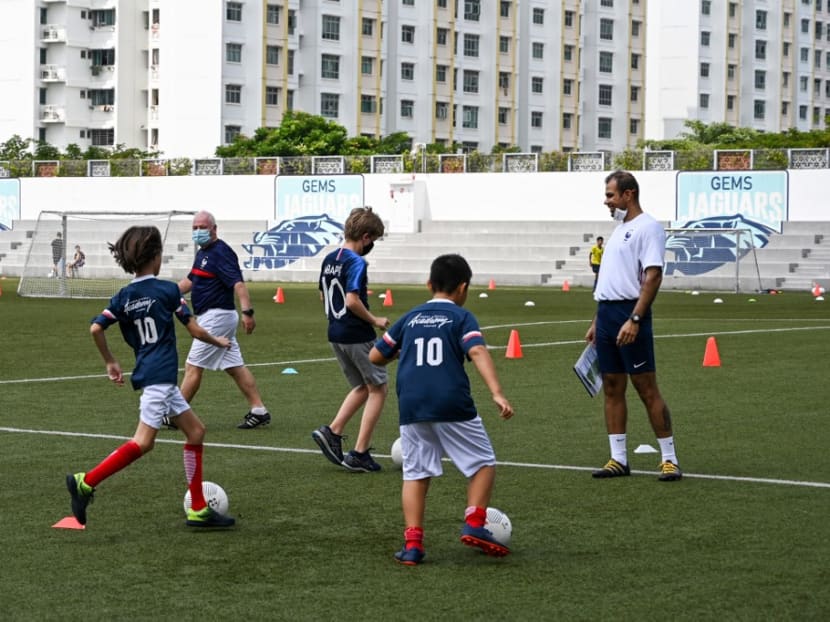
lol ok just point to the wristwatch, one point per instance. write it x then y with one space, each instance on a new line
635 318
248 312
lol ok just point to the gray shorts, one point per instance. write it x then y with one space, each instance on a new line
356 366
466 443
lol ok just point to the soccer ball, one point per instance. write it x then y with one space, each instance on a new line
397 453
499 525
215 496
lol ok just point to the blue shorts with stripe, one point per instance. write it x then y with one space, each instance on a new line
634 358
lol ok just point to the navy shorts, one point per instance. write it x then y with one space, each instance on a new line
634 358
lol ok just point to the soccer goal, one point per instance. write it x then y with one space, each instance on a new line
713 259
51 269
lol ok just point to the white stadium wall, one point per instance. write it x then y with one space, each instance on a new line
402 200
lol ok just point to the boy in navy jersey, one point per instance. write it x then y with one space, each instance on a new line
344 291
437 413
144 311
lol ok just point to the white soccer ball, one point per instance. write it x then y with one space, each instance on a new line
397 452
215 496
498 523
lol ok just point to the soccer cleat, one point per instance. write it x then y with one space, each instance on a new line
612 468
410 557
252 421
208 517
330 443
360 463
483 539
167 422
669 472
81 494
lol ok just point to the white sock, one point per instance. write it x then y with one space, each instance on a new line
667 449
259 410
618 449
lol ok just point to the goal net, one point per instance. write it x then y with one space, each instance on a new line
50 269
715 259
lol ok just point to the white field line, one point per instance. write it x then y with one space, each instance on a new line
526 465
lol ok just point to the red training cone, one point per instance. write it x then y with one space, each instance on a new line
817 290
711 358
514 346
492 284
566 287
387 300
279 296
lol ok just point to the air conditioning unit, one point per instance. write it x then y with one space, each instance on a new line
107 108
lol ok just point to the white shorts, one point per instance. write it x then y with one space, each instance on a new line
161 400
464 442
219 323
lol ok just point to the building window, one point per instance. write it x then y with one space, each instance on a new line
569 19
606 62
233 13
785 49
292 24
802 113
408 2
504 45
536 119
760 109
367 65
785 79
704 70
730 102
440 73
538 50
470 81
605 91
272 95
504 8
441 4
290 62
606 29
567 86
272 54
817 59
441 36
441 109
787 18
635 93
634 126
102 138
368 27
603 127
504 113
804 55
760 79
330 66
368 104
231 132
408 34
101 97
331 28
472 10
733 9
233 94
802 84
536 84
407 108
760 49
731 38
567 120
705 8
538 16
705 36
407 71
785 108
761 20
471 45
704 100
469 117
805 26
272 14
635 27
568 53
730 72
233 52
330 105
607 3
635 61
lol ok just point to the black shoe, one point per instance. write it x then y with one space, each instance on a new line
81 494
669 472
360 463
252 421
612 468
330 443
167 422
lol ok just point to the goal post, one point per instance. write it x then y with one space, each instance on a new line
48 270
712 259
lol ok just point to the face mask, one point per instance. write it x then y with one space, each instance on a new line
201 236
367 248
620 214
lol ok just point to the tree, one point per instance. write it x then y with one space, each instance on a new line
16 148
299 134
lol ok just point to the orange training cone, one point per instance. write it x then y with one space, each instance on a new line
711 358
514 346
279 296
566 287
387 300
492 284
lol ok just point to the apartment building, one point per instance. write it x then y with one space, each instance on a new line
184 76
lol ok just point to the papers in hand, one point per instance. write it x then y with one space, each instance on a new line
587 370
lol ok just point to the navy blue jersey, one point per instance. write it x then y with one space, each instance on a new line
215 271
434 339
344 271
144 311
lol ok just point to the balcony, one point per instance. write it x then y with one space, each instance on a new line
101 70
52 114
102 107
53 33
53 73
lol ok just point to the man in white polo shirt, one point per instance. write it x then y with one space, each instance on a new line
632 271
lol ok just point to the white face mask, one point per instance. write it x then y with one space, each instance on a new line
620 214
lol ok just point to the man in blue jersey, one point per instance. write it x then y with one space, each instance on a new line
631 274
212 282
437 413
351 333
144 312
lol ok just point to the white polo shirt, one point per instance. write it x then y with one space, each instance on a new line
634 246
